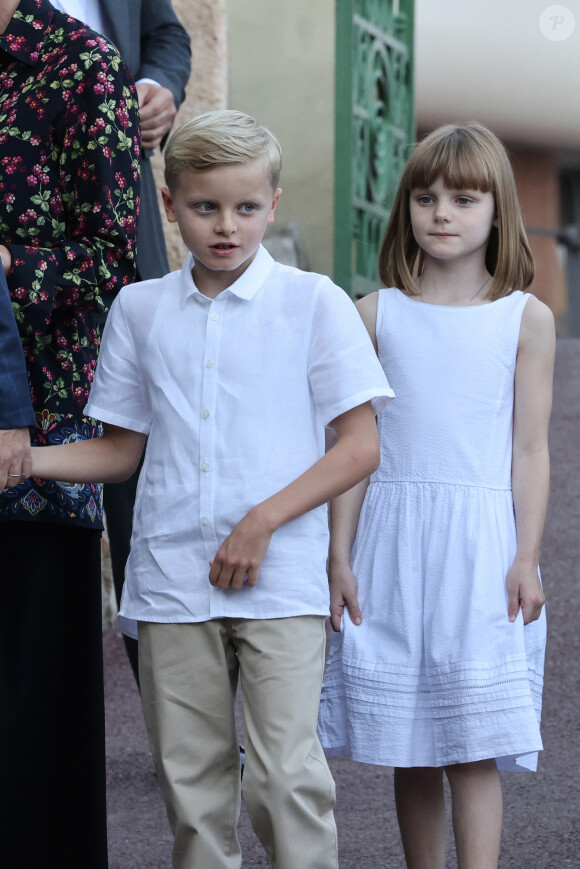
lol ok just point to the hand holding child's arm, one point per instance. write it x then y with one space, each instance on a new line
14 456
530 461
353 457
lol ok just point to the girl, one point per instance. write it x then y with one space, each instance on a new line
435 673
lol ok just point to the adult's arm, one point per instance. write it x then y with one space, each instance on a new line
16 412
15 402
166 61
91 251
530 462
165 48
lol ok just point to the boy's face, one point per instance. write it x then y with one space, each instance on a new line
222 214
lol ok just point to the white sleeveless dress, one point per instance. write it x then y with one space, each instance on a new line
436 674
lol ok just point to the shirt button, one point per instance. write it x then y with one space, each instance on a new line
209 363
214 316
205 466
204 520
205 414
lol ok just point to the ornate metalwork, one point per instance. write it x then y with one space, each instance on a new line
374 125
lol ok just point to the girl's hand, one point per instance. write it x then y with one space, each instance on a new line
343 593
524 590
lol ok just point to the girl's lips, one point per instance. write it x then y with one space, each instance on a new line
443 234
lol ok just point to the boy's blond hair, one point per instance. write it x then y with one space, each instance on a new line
219 137
471 157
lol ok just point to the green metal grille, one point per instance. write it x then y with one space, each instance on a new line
374 126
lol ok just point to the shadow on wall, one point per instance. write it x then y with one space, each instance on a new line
283 243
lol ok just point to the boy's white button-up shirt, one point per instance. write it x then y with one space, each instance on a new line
234 394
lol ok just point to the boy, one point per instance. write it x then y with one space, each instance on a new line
232 368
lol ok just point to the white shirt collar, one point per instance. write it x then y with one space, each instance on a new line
246 286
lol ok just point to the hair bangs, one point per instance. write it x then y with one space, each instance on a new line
456 157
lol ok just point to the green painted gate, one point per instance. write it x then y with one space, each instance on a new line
374 126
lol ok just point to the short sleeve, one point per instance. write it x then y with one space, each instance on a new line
343 369
119 395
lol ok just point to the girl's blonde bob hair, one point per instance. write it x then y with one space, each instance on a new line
466 157
219 137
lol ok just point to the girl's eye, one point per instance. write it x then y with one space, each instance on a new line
463 200
424 200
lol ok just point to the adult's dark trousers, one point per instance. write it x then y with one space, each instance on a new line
52 721
119 500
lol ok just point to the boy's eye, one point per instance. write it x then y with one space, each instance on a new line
204 207
247 208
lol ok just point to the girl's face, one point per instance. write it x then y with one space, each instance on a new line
452 224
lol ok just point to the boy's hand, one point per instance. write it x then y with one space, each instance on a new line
241 554
343 593
524 589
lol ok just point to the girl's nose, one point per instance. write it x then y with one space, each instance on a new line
441 212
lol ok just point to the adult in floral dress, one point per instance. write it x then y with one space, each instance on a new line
69 150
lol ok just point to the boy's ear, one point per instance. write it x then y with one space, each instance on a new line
275 199
168 204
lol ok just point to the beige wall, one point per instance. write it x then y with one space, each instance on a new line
281 71
206 23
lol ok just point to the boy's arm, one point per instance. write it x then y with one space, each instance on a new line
530 461
354 456
111 458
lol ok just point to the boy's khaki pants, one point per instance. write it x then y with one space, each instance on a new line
189 674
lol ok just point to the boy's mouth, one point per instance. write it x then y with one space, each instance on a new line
224 245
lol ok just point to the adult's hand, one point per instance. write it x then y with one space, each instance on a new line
157 109
15 456
6 258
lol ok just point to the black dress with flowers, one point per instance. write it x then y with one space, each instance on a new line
69 149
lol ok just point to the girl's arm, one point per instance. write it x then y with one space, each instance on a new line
530 461
344 515
111 458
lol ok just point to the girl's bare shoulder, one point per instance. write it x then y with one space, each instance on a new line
367 308
537 322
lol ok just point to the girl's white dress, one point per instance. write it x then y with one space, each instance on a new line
436 674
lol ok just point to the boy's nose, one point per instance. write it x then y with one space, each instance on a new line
226 224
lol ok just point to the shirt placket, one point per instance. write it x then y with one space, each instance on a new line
207 441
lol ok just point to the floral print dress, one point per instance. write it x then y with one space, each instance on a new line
69 177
